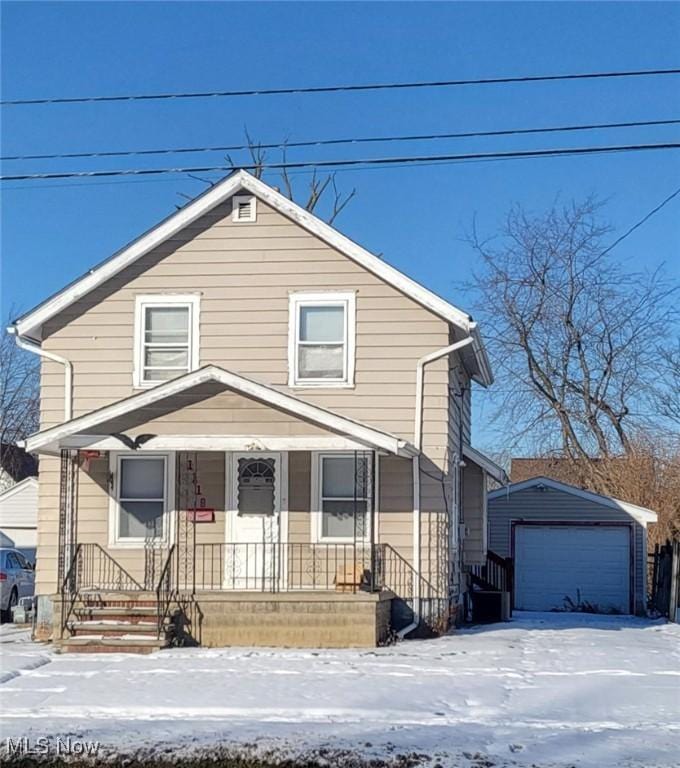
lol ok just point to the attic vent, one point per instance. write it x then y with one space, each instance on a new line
245 208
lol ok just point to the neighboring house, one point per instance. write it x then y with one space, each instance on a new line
247 415
19 517
572 549
15 465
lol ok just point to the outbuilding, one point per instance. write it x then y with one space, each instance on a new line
571 549
19 517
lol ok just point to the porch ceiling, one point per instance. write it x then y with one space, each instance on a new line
214 409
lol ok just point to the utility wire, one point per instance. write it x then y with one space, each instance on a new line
340 88
642 221
346 140
374 161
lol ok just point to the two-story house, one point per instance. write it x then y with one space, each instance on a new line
253 431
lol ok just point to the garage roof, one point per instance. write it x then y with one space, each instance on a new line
641 515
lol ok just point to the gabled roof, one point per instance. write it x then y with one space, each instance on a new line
490 467
20 487
640 514
263 393
30 324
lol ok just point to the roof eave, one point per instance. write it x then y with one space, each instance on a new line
49 439
30 324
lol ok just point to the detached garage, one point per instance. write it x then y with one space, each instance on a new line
570 547
19 517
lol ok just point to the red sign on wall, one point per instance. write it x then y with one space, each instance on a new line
201 515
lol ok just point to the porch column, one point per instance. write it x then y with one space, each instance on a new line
68 513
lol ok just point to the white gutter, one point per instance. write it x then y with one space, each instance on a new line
31 346
420 377
401 634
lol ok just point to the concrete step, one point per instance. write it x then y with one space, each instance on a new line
112 628
131 614
97 643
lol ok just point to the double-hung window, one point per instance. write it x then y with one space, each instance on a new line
141 499
322 339
344 491
166 338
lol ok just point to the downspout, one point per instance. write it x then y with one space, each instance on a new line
420 378
417 441
31 346
401 634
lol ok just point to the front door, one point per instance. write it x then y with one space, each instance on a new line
252 552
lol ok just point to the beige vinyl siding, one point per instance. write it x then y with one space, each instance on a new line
299 497
474 546
205 410
244 274
48 526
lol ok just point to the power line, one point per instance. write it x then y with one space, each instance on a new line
347 140
642 221
373 161
340 88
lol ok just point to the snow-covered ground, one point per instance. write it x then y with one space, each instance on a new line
543 690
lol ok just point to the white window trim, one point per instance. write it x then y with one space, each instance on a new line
118 542
235 209
347 299
316 486
193 303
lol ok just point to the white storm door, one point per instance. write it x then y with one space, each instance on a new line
252 551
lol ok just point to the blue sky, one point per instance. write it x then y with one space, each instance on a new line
416 217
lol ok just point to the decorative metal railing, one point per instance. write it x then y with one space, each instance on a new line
283 566
165 589
92 569
258 567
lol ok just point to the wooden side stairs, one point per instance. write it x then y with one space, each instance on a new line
116 623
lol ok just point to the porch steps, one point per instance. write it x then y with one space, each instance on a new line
112 628
103 644
115 623
144 614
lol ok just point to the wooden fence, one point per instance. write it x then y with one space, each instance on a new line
664 580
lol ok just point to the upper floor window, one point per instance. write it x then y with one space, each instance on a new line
166 338
322 339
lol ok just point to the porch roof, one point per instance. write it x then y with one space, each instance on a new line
85 431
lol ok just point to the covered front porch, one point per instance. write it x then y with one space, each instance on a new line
306 504
235 547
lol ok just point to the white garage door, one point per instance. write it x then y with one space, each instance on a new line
556 562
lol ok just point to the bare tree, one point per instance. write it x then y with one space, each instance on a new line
574 338
19 401
317 187
668 397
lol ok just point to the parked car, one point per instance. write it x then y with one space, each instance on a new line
17 580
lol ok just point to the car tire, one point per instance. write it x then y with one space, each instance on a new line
13 600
